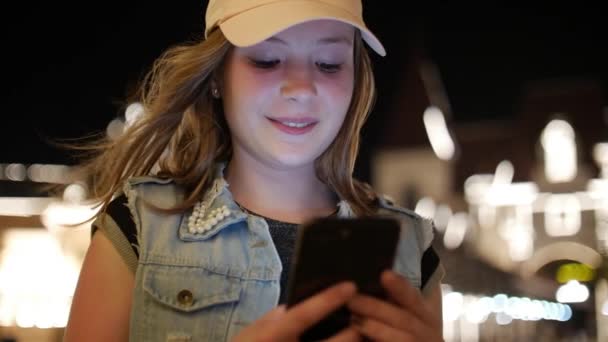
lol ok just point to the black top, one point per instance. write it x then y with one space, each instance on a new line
283 235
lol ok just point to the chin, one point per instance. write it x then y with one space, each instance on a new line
295 159
294 162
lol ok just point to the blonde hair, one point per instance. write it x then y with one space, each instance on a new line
183 130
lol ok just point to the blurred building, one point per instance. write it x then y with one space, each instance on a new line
40 256
520 205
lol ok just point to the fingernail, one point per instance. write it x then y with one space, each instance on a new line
390 275
276 313
348 288
279 311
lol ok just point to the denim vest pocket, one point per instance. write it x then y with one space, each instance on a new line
184 303
189 289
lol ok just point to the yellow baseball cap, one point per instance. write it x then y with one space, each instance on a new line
248 22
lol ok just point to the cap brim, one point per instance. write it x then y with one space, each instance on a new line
253 26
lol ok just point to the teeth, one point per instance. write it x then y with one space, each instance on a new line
294 124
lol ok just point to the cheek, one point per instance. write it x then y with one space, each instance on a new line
251 90
339 94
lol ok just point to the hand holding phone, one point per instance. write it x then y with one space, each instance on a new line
332 250
281 325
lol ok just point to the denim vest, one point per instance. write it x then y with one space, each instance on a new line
207 287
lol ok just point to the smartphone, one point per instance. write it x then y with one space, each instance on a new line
331 250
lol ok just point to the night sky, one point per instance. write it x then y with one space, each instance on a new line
67 68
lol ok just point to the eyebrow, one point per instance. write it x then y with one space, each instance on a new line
322 41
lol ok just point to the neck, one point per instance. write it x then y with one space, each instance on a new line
291 195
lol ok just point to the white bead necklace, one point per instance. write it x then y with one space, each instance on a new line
199 224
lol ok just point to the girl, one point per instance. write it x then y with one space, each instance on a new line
246 134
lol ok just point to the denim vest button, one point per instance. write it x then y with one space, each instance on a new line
184 297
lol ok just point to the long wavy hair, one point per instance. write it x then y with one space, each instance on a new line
183 133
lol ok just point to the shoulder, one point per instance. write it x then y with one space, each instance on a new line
149 180
424 228
385 202
158 191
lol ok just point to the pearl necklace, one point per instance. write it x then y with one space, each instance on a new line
199 224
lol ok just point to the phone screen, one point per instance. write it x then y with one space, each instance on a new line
330 250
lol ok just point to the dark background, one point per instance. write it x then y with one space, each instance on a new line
68 67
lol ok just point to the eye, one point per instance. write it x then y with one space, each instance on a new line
264 64
329 67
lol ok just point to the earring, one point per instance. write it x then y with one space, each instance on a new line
214 91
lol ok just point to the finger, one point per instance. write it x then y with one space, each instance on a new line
314 309
273 315
263 326
349 334
378 331
405 295
367 307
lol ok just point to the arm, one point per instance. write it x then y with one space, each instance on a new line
102 301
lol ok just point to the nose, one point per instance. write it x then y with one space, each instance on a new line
299 84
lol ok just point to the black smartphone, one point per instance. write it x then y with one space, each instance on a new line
331 250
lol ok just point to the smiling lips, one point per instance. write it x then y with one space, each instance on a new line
294 126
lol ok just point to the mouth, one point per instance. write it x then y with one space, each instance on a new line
294 126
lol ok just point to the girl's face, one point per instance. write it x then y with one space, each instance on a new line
285 98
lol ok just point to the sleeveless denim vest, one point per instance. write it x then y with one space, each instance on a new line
207 287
